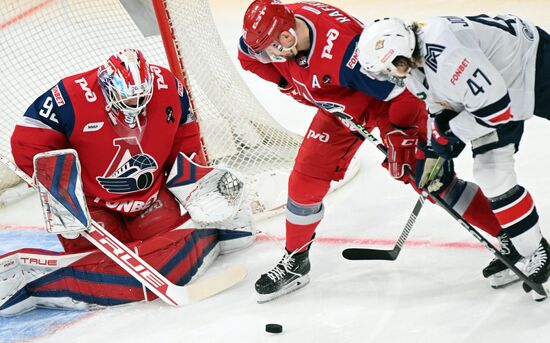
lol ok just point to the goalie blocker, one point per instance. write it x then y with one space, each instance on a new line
84 278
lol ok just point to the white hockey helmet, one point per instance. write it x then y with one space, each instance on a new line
381 42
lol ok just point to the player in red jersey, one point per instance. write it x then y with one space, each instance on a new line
309 49
128 121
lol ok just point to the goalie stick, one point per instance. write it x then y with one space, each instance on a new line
537 287
154 281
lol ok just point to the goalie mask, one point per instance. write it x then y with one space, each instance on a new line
264 21
127 84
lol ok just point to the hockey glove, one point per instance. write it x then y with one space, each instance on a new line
444 141
288 89
401 151
425 161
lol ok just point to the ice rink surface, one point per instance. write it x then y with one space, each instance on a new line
434 291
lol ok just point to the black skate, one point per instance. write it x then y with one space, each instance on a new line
498 274
290 274
538 268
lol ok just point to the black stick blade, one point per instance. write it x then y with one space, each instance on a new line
369 254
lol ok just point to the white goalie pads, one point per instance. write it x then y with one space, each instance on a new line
215 197
57 177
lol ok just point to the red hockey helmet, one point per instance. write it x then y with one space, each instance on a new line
264 20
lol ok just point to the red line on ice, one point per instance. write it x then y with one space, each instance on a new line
25 14
319 240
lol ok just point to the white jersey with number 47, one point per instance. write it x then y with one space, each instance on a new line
482 67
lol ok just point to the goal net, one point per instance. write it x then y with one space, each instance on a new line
45 40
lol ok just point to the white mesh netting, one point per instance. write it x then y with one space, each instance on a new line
45 40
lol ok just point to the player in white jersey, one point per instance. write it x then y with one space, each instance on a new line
481 78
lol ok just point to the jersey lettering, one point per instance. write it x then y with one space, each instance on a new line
160 78
332 34
498 22
457 20
46 110
315 82
339 16
474 87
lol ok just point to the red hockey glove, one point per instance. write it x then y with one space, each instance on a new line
288 89
401 151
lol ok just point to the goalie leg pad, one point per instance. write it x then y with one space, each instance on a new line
94 280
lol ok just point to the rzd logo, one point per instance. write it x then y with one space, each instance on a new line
323 136
332 34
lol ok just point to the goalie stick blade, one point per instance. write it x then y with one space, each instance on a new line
206 288
357 254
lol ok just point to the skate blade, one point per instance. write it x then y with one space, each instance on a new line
294 286
503 279
537 297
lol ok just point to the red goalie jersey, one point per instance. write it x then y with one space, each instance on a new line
122 169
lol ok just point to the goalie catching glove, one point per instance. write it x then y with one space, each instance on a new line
214 197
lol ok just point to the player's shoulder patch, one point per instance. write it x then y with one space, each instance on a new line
433 51
352 62
58 96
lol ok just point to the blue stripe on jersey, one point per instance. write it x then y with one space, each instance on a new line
354 78
244 48
186 111
493 108
54 110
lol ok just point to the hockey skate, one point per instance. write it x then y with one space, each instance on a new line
290 274
538 268
498 274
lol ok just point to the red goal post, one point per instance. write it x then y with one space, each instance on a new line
45 40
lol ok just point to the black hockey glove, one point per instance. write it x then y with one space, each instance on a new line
425 161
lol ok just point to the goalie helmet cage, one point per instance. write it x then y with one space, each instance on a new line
45 40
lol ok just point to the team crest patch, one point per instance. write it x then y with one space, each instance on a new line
131 170
433 51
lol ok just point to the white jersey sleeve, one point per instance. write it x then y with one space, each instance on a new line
481 65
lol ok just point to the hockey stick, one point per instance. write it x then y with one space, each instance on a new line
378 254
537 287
154 281
391 255
388 255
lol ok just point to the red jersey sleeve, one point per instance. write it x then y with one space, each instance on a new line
29 141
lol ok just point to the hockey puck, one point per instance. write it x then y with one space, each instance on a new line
274 328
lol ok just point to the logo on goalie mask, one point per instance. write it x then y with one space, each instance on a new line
131 170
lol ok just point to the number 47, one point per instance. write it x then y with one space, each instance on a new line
476 89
